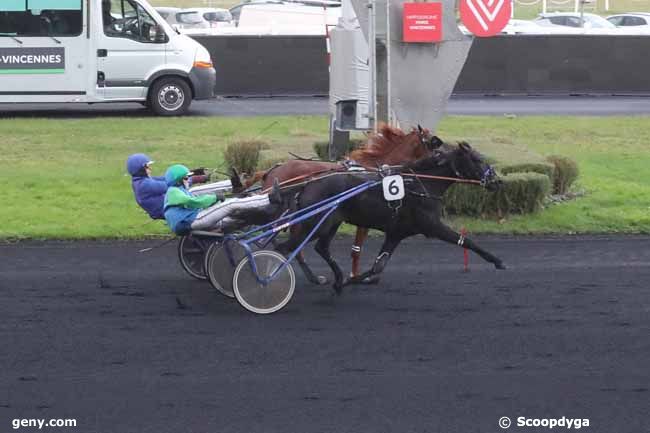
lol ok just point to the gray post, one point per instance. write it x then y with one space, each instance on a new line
338 143
381 61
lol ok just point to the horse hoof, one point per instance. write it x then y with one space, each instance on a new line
500 266
371 280
321 280
338 289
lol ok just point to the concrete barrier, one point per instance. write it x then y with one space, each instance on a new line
558 64
505 65
269 65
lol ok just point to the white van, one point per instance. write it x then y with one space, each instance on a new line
99 51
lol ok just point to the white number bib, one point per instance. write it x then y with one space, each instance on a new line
393 187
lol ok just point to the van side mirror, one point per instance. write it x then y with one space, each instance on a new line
157 34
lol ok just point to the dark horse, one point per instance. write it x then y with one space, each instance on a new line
388 146
420 211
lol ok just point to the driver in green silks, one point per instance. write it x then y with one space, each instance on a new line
185 211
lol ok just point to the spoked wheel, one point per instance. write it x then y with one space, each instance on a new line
264 298
220 268
191 253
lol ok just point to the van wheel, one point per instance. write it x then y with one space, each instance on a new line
170 97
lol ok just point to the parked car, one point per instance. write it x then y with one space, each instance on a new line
196 20
636 20
168 13
287 13
576 23
525 27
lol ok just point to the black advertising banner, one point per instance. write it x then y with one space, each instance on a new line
32 60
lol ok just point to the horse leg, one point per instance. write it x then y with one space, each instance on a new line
309 274
372 276
314 279
446 234
359 239
322 247
286 249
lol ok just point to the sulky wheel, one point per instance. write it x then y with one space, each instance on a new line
191 252
264 298
220 268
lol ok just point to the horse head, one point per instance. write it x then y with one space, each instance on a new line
430 142
464 162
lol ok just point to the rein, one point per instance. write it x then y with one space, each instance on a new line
294 181
286 183
453 179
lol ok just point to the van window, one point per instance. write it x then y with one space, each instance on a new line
189 18
127 19
28 18
218 16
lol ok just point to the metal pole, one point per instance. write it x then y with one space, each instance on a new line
372 100
582 13
389 110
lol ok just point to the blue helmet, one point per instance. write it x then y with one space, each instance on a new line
135 163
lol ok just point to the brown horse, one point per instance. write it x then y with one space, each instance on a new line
389 145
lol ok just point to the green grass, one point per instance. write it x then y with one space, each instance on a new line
66 178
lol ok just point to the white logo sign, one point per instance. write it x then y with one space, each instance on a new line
393 187
491 16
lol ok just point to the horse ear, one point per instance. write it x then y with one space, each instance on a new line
420 130
464 146
435 142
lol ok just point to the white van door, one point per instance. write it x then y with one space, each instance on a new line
130 49
44 51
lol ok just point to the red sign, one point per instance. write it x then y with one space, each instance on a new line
485 17
422 22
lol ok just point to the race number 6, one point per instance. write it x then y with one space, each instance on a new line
393 188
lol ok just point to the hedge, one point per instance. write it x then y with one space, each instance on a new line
546 168
244 155
566 172
321 148
520 193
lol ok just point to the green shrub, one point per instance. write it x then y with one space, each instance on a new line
566 172
321 148
546 168
244 155
265 164
520 193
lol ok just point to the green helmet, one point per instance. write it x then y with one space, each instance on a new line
175 174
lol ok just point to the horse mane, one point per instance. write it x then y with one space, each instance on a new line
383 143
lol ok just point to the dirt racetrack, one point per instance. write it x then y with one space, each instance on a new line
126 342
